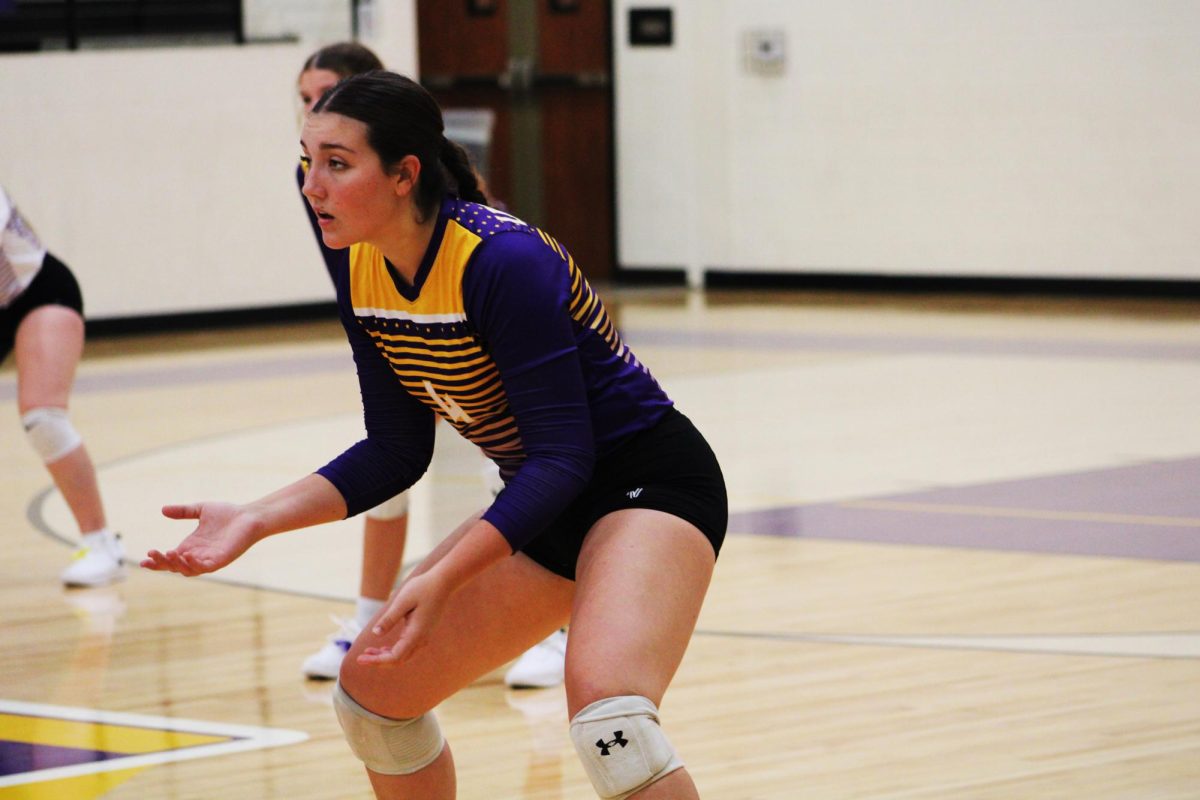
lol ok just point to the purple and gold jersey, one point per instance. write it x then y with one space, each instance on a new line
500 335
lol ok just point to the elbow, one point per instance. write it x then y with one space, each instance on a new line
579 465
565 469
422 461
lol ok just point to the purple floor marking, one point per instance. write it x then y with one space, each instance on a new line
200 374
21 757
759 340
1159 489
1053 348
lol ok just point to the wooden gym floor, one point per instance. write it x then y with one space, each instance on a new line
963 562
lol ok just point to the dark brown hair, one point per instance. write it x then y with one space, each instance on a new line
403 119
344 59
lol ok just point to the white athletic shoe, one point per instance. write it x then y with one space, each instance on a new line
326 662
541 665
97 563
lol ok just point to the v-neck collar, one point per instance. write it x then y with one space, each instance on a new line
411 292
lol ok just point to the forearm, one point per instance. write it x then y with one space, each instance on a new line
312 500
420 601
470 550
444 546
225 531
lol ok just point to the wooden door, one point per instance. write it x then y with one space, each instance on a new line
544 68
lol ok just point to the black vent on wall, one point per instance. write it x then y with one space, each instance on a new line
651 27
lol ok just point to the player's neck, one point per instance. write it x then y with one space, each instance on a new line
406 243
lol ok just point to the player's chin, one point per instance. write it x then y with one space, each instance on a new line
334 240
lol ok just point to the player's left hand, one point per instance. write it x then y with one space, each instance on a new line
414 609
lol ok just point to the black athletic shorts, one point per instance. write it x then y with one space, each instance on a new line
669 467
54 285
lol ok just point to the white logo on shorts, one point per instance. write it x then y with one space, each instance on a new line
634 494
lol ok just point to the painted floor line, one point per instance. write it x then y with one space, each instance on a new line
1123 645
1024 513
243 738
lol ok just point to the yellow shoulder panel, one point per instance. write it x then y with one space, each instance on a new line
373 293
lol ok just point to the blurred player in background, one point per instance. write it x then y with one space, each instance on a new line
41 323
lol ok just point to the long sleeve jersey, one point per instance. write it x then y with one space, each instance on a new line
500 335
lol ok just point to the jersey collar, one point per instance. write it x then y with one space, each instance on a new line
412 292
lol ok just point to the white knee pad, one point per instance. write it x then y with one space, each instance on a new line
50 432
390 509
621 745
388 746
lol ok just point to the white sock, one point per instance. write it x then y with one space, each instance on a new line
365 608
95 538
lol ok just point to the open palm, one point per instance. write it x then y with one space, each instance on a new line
224 531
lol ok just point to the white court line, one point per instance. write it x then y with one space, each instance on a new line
1118 645
248 738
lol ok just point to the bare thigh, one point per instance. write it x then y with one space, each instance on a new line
48 346
490 621
640 582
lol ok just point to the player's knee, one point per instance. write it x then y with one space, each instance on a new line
621 745
391 509
388 746
50 432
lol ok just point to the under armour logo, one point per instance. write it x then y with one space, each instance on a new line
617 738
634 494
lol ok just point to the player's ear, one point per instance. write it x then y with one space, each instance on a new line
406 175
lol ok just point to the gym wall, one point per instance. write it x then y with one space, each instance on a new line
1010 138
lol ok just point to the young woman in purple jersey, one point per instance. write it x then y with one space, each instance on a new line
41 323
385 527
614 507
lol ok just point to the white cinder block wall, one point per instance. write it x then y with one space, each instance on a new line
926 137
1056 138
164 176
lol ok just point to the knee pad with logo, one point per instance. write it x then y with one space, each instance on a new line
621 745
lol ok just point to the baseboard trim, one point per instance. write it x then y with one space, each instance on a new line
207 320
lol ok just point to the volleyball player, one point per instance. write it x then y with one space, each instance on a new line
41 323
614 507
385 527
